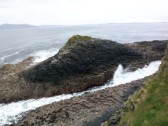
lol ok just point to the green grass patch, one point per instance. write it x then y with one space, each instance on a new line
151 107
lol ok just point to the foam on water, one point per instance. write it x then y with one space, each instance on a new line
122 76
18 56
12 112
44 54
10 55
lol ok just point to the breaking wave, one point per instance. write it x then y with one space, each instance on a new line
43 55
18 56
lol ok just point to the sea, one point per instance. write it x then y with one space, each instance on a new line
45 41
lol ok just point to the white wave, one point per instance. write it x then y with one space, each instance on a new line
12 112
12 54
121 76
44 54
39 56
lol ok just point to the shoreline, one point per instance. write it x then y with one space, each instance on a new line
71 70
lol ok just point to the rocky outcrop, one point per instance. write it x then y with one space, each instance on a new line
151 51
87 110
10 89
81 55
83 62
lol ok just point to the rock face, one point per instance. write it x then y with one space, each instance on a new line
88 110
10 88
151 51
81 55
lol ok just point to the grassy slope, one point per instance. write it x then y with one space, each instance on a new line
151 102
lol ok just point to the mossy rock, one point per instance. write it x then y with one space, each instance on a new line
80 55
77 39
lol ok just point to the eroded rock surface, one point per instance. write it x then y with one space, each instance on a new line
151 51
83 62
81 57
87 110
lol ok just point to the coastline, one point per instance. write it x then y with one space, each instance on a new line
15 85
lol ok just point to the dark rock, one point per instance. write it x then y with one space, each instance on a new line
151 50
81 57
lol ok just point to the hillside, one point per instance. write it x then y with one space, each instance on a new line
149 106
15 26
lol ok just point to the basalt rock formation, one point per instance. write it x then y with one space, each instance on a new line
83 62
81 55
95 108
87 110
152 50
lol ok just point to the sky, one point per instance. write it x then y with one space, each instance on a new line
76 12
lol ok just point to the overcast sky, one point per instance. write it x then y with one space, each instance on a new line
75 12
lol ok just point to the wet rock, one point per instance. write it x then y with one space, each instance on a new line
151 50
89 110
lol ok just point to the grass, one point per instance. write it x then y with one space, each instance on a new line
151 102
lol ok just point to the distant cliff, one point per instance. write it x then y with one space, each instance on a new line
15 26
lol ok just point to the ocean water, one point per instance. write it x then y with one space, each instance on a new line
45 41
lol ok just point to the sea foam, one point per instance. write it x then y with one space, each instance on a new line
42 55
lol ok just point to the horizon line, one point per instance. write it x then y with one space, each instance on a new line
82 24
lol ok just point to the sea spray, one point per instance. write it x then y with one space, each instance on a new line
121 75
18 56
42 55
12 112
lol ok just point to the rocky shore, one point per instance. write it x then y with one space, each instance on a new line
87 110
83 62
